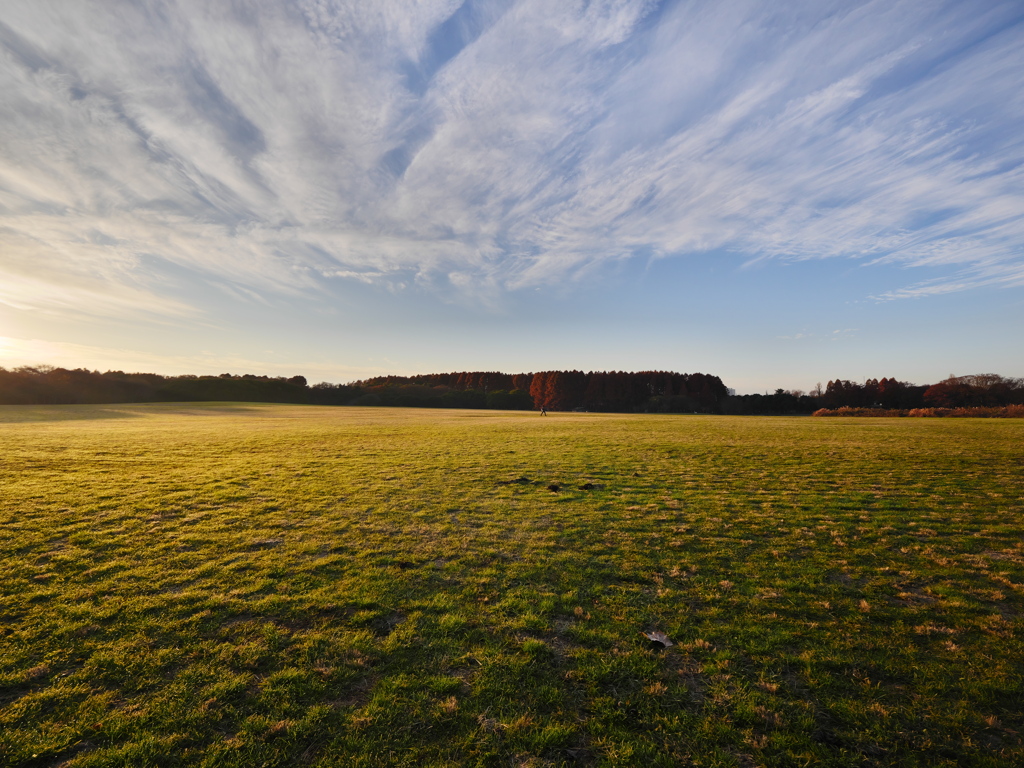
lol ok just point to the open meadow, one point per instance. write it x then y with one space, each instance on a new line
265 585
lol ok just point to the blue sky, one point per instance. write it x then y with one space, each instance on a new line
777 193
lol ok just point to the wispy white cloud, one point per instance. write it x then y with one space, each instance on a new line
489 145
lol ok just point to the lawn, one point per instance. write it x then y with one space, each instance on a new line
248 585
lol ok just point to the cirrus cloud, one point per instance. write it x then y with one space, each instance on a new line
489 145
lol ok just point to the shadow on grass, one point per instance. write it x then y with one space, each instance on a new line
15 414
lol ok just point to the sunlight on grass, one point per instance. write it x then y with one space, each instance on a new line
245 585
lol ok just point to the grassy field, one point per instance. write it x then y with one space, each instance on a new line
247 585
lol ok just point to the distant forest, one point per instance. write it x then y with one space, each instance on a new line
599 391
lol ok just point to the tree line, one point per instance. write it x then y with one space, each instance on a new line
615 391
43 385
985 390
601 391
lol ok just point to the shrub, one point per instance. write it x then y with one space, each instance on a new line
995 412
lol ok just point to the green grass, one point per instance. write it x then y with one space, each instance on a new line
246 585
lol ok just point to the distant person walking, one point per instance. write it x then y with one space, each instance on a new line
543 411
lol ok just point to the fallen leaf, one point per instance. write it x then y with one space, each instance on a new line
658 637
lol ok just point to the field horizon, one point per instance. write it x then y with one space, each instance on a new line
248 584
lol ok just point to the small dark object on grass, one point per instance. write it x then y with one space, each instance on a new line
587 487
517 481
554 487
658 637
